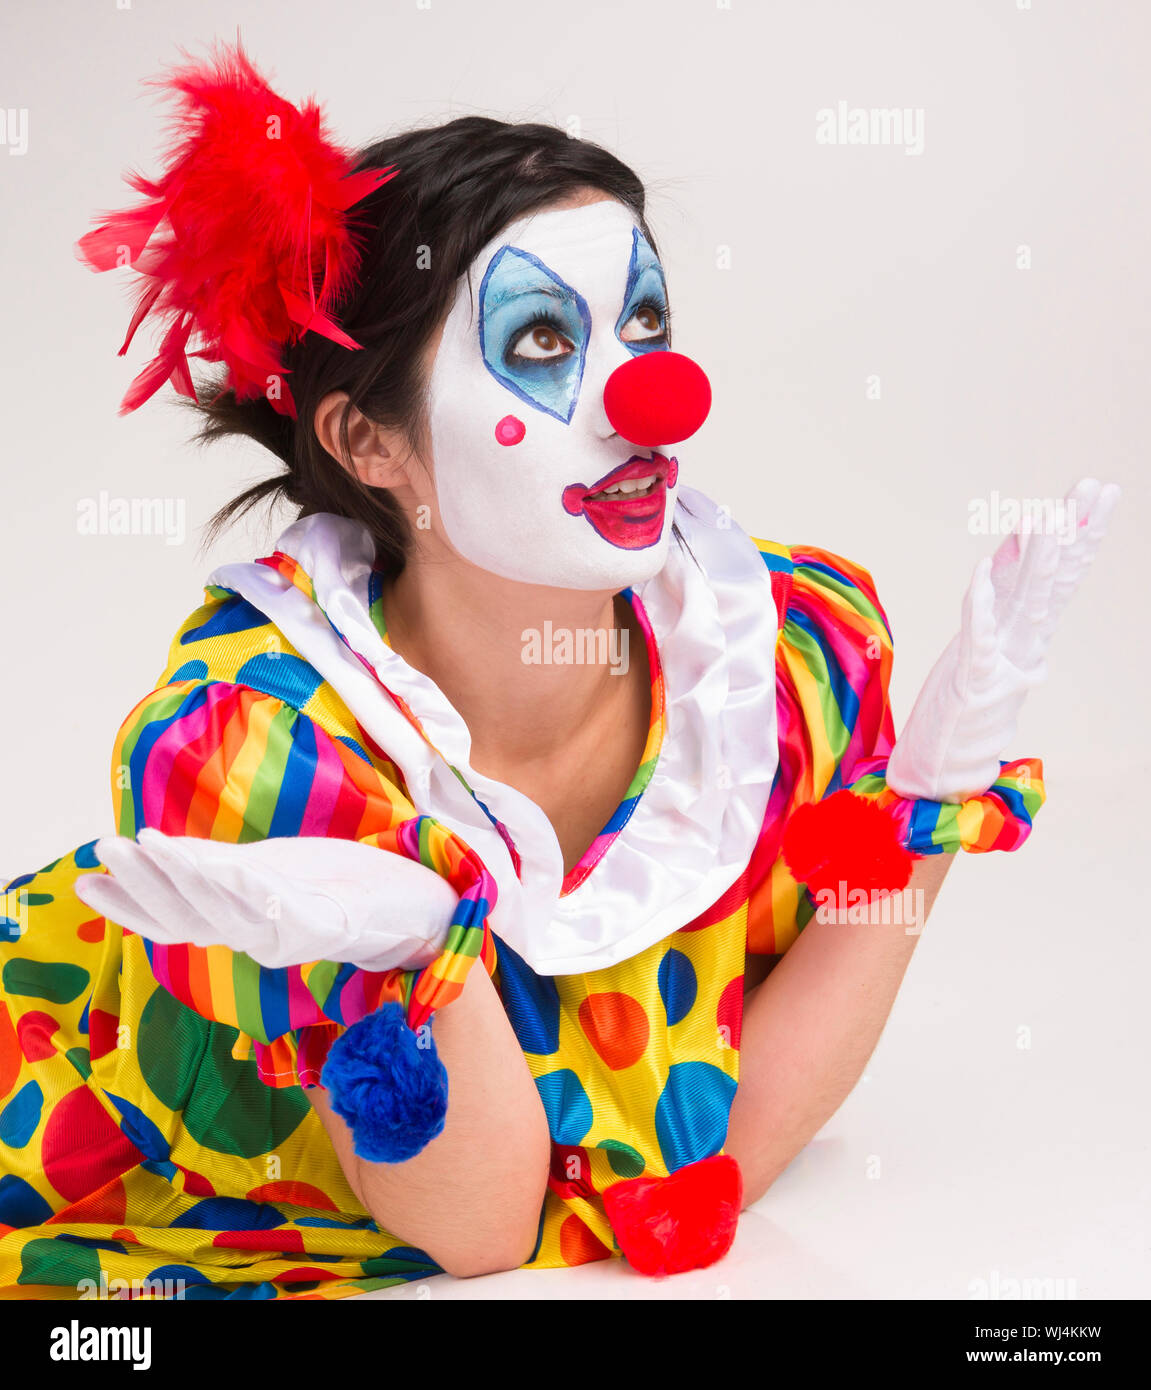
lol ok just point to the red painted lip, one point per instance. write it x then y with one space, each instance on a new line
632 523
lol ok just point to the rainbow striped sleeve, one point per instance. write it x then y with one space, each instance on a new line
833 673
223 761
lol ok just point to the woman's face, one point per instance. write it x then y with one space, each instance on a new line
532 481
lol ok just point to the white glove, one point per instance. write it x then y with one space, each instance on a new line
283 901
965 716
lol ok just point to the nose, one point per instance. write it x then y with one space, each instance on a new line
657 398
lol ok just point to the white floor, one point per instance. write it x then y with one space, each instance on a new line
964 1160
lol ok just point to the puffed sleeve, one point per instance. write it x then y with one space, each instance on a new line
833 673
223 761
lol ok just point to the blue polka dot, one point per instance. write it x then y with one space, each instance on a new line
177 1274
19 1118
140 1129
190 671
530 1001
566 1105
247 1293
692 1113
234 615
86 856
410 1253
677 985
287 678
20 1203
230 1214
218 1292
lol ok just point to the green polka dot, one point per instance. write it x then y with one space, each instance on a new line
57 1262
81 1060
380 1266
372 1285
625 1161
57 982
187 1062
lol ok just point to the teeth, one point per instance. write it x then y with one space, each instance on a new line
626 487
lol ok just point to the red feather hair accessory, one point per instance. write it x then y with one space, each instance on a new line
255 202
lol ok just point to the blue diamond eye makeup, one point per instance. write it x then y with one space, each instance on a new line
547 311
643 323
534 331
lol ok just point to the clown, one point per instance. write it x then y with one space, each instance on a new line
350 787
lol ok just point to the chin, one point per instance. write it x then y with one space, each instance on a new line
630 567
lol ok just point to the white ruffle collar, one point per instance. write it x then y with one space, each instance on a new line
692 831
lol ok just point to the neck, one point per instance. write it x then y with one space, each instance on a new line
526 666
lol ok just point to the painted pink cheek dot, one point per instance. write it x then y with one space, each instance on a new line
510 430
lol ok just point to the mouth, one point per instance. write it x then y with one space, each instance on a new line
627 505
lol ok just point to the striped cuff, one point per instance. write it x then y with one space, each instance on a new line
998 819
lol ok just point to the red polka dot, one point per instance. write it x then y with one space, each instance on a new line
83 1148
101 1032
195 1184
570 1172
729 1011
616 1026
93 930
123 1234
578 1245
510 430
299 1194
9 1052
290 1241
35 1032
305 1272
107 1207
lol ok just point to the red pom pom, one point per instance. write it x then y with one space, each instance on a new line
657 398
846 839
254 200
681 1222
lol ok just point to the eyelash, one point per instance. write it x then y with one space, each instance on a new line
550 320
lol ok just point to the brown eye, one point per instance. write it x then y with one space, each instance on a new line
649 322
540 342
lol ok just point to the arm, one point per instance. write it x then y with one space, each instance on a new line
492 1157
810 1027
212 759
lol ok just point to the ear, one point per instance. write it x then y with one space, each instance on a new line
379 455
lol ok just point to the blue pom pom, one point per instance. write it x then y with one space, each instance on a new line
391 1090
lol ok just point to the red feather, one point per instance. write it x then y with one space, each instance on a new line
234 237
846 839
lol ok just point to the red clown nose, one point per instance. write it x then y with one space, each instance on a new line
657 398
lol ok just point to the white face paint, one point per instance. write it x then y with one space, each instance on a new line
521 444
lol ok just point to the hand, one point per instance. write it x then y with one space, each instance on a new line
283 901
965 716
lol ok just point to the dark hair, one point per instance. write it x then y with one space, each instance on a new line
458 185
